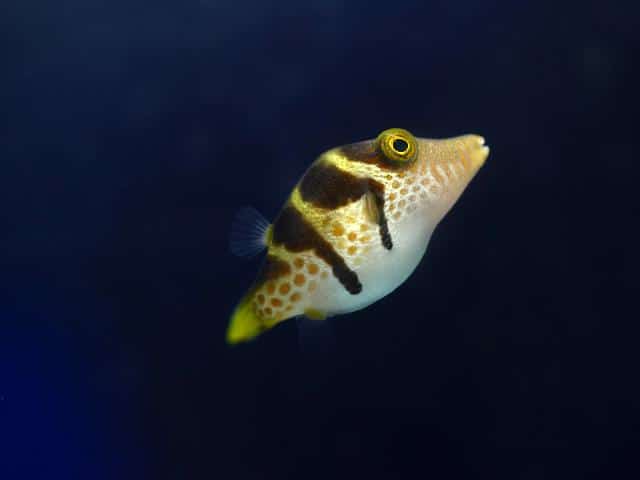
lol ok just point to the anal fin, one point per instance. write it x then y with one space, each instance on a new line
314 314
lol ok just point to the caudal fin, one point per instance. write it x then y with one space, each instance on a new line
244 324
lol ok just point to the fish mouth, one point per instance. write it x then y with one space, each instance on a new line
479 151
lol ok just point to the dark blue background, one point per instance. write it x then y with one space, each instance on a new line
132 131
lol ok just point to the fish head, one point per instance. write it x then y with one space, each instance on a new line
443 168
421 178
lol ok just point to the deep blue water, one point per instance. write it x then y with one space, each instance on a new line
132 131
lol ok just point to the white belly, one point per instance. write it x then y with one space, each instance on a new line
381 271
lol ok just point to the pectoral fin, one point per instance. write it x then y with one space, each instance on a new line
374 209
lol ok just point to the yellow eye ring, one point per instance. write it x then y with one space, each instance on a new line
398 145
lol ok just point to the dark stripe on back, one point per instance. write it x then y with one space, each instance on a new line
365 152
368 152
293 231
326 186
272 268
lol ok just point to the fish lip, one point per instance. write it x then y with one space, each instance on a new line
480 152
482 143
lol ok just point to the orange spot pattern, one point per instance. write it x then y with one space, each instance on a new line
338 230
275 299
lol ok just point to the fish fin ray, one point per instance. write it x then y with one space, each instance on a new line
249 233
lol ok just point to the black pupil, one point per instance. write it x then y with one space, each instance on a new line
400 145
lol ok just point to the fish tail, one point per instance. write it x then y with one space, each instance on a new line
244 324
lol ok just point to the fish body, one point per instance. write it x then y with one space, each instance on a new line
355 227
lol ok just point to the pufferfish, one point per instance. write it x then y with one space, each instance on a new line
355 227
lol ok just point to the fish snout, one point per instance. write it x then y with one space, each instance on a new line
477 150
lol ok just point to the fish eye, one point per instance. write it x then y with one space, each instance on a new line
398 145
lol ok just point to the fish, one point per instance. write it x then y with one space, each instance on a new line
353 229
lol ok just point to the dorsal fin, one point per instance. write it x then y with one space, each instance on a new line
249 232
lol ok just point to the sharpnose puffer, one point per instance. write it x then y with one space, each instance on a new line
355 226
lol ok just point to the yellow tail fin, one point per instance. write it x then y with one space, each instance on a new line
244 324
